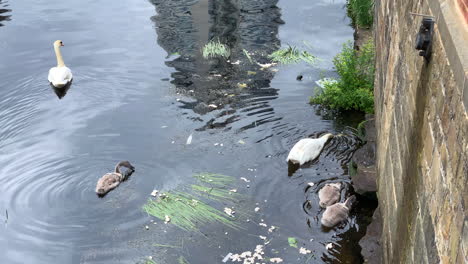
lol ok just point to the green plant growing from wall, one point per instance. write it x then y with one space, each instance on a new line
361 12
355 87
215 48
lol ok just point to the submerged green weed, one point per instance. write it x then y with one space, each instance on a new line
214 179
187 211
216 194
215 48
246 53
182 260
292 55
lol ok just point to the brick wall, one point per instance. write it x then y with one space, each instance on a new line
422 133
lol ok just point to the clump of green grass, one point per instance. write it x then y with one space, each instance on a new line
291 55
355 87
361 12
215 48
188 211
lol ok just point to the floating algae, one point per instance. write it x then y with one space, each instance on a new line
187 211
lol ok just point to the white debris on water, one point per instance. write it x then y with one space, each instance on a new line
227 257
329 246
229 211
304 251
189 140
262 237
257 209
244 179
233 190
263 224
167 219
213 106
248 257
154 193
241 141
276 260
311 184
271 229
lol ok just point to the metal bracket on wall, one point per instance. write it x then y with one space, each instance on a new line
424 37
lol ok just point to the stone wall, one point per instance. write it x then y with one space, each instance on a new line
422 132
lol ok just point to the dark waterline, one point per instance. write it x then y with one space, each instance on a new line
133 98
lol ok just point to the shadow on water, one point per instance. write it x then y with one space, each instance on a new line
4 12
61 92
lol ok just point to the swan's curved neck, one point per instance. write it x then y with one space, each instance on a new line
58 54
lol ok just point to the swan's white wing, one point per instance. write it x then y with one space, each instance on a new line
297 153
313 149
60 76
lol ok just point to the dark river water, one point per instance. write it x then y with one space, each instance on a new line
140 89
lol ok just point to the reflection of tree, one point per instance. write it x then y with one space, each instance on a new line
4 12
185 26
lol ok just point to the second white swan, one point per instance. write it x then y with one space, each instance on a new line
307 149
61 75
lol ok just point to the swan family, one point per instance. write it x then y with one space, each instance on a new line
308 149
61 75
303 151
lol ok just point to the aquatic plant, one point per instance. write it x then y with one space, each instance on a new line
292 55
292 242
188 211
214 179
182 260
215 48
246 53
361 12
355 87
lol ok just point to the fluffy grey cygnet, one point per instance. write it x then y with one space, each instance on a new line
329 194
111 180
337 213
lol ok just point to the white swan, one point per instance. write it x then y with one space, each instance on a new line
307 149
61 75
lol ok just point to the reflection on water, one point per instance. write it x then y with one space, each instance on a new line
184 27
61 92
4 12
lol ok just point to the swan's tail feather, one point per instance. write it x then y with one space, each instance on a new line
350 201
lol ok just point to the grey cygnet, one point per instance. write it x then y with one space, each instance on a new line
337 213
329 194
111 180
